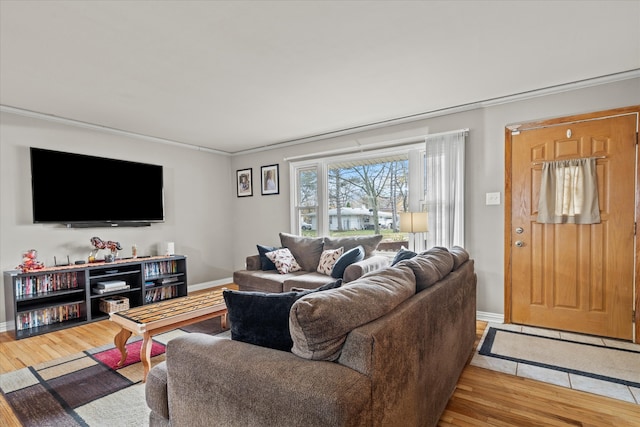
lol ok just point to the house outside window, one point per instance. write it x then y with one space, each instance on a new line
357 194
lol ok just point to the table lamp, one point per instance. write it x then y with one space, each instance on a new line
412 223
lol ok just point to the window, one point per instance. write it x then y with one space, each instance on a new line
307 200
363 193
357 194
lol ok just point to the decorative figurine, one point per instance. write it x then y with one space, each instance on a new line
30 261
98 244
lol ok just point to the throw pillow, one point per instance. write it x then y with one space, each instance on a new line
349 257
402 255
284 261
306 250
265 263
262 318
328 259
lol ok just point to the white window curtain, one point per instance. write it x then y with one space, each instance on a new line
444 188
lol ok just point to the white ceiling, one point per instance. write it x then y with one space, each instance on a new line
233 76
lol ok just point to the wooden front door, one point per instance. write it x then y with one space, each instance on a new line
566 276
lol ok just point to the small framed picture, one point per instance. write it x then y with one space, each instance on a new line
270 179
244 178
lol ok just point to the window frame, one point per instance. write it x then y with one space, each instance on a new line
414 150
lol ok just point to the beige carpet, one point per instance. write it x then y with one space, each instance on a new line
596 365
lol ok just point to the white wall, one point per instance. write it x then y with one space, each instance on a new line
198 200
259 218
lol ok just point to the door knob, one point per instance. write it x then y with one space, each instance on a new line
519 230
519 243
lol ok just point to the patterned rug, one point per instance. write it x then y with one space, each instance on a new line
596 365
86 389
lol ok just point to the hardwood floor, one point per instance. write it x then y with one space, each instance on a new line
482 397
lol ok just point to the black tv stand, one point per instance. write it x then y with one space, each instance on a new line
54 298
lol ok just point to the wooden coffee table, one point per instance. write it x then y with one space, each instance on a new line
152 319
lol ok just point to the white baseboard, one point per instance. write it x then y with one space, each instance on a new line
10 325
7 326
490 317
213 283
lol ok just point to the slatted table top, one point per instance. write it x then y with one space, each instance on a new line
153 316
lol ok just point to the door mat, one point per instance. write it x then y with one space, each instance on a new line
596 365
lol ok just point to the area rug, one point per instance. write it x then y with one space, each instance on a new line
87 388
596 365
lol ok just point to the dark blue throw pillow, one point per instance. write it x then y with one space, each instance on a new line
266 263
352 255
403 254
262 318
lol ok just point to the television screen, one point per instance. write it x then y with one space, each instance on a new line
78 189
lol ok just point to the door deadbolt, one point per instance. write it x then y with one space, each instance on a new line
519 230
519 243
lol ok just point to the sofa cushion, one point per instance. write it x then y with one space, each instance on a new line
306 250
284 261
306 281
346 259
460 256
328 259
368 243
262 318
265 263
326 287
319 322
429 267
403 254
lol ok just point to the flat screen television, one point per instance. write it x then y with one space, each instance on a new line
88 191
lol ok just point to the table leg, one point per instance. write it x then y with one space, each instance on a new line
223 321
145 354
120 341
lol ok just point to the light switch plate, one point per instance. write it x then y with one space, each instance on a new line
493 198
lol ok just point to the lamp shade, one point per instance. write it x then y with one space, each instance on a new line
413 222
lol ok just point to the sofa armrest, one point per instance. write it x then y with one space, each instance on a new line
360 268
253 263
156 395
238 384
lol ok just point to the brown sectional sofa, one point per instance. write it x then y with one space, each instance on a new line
383 350
308 250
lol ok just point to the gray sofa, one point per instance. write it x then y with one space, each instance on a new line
308 251
386 349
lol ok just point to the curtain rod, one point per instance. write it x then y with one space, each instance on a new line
377 145
576 158
449 132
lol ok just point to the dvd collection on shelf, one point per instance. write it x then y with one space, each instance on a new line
159 268
44 283
47 316
159 294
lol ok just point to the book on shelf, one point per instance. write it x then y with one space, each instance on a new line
45 283
47 316
159 268
159 294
